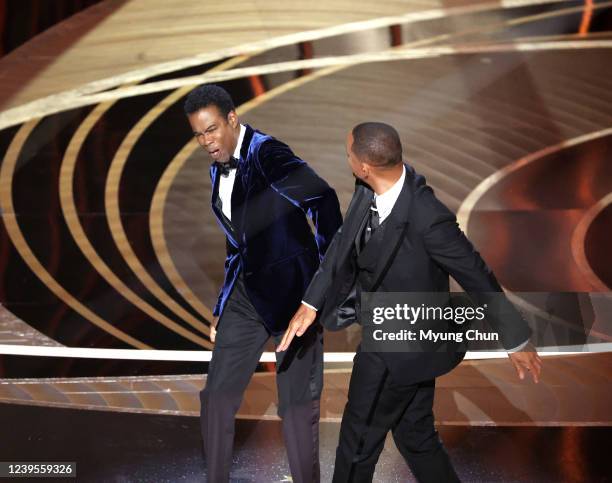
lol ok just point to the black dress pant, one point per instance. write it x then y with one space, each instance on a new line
376 405
240 341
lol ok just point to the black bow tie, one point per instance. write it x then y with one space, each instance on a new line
225 168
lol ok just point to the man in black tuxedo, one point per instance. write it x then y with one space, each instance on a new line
262 196
397 237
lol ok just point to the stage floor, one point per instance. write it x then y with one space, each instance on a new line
121 447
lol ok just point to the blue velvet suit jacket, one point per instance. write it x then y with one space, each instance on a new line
269 239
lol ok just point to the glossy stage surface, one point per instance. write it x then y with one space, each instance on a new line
138 447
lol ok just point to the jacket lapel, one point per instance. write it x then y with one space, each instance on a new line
395 226
354 219
241 184
225 224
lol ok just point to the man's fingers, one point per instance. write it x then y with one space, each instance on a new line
297 326
536 367
283 341
527 359
288 337
213 333
306 322
519 369
531 363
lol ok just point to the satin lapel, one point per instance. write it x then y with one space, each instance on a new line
392 235
355 218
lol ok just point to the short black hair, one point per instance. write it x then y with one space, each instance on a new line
209 95
377 142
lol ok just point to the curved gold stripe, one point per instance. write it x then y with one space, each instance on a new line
62 101
156 216
16 236
578 243
466 208
83 242
340 60
65 100
468 205
497 26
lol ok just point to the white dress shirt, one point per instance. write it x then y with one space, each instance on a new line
226 183
386 201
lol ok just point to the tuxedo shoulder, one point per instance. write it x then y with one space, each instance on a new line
427 209
260 139
269 144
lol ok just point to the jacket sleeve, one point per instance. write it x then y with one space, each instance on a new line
293 179
448 246
323 277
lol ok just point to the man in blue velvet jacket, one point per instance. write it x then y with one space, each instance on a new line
262 196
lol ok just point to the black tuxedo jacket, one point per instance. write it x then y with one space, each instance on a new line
269 239
424 239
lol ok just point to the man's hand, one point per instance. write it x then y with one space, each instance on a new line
303 318
527 359
213 329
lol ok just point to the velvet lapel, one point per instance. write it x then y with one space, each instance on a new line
226 225
241 184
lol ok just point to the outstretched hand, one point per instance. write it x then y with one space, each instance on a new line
527 359
303 318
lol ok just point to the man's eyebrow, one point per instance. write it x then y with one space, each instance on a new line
197 133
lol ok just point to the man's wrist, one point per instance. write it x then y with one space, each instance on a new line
519 347
309 306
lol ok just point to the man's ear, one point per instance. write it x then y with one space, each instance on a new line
232 118
365 169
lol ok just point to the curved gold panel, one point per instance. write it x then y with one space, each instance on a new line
16 236
82 241
401 15
578 243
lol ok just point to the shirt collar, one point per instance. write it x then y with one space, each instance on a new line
239 143
386 201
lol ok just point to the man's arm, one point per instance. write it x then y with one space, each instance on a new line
449 247
314 297
322 279
293 179
321 282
